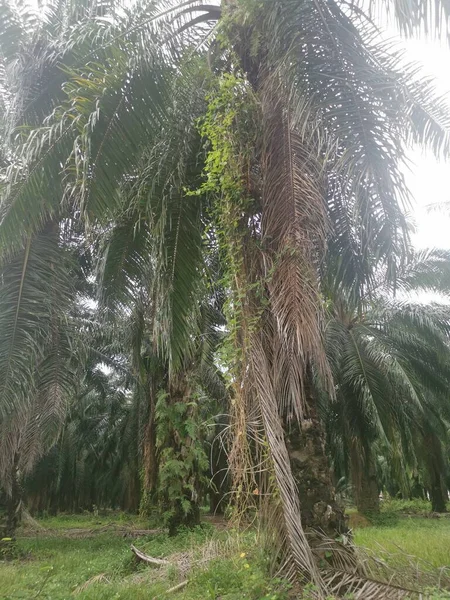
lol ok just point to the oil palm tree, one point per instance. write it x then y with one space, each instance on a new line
95 459
172 332
308 114
40 346
105 455
390 361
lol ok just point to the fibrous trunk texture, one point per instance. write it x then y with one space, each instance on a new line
364 479
150 464
218 476
312 473
284 342
293 233
179 392
438 494
13 502
436 468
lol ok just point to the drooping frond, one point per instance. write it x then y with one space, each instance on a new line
123 262
293 232
413 18
296 546
157 241
35 295
427 271
37 350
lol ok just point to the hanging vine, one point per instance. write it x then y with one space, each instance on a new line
229 128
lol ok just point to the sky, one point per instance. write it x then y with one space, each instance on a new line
428 178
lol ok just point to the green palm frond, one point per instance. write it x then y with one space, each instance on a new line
18 23
362 107
427 270
413 17
123 263
38 351
390 362
35 297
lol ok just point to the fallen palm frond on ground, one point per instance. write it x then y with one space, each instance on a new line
366 573
198 557
359 573
233 563
100 578
148 559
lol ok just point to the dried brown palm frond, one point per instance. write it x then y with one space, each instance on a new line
293 229
368 573
196 558
343 584
296 549
100 578
288 338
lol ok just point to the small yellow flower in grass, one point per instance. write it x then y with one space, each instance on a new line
243 554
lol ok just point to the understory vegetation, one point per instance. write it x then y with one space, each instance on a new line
209 297
88 556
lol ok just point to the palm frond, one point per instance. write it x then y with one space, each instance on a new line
431 17
35 292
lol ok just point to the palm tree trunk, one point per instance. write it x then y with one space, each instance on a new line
437 492
312 473
417 489
364 479
436 470
218 476
179 392
13 503
438 501
150 462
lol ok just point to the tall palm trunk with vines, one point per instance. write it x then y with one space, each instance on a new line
285 344
149 453
271 225
183 461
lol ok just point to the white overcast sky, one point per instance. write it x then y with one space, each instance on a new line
429 179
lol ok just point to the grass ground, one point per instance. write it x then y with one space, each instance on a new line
103 568
425 538
93 521
55 566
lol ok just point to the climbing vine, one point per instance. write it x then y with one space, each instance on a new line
229 129
183 460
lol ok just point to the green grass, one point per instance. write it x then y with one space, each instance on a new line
59 565
424 538
55 567
406 526
95 521
405 533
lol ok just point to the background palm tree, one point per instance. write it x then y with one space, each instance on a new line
389 360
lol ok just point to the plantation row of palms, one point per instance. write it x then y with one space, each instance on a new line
206 268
